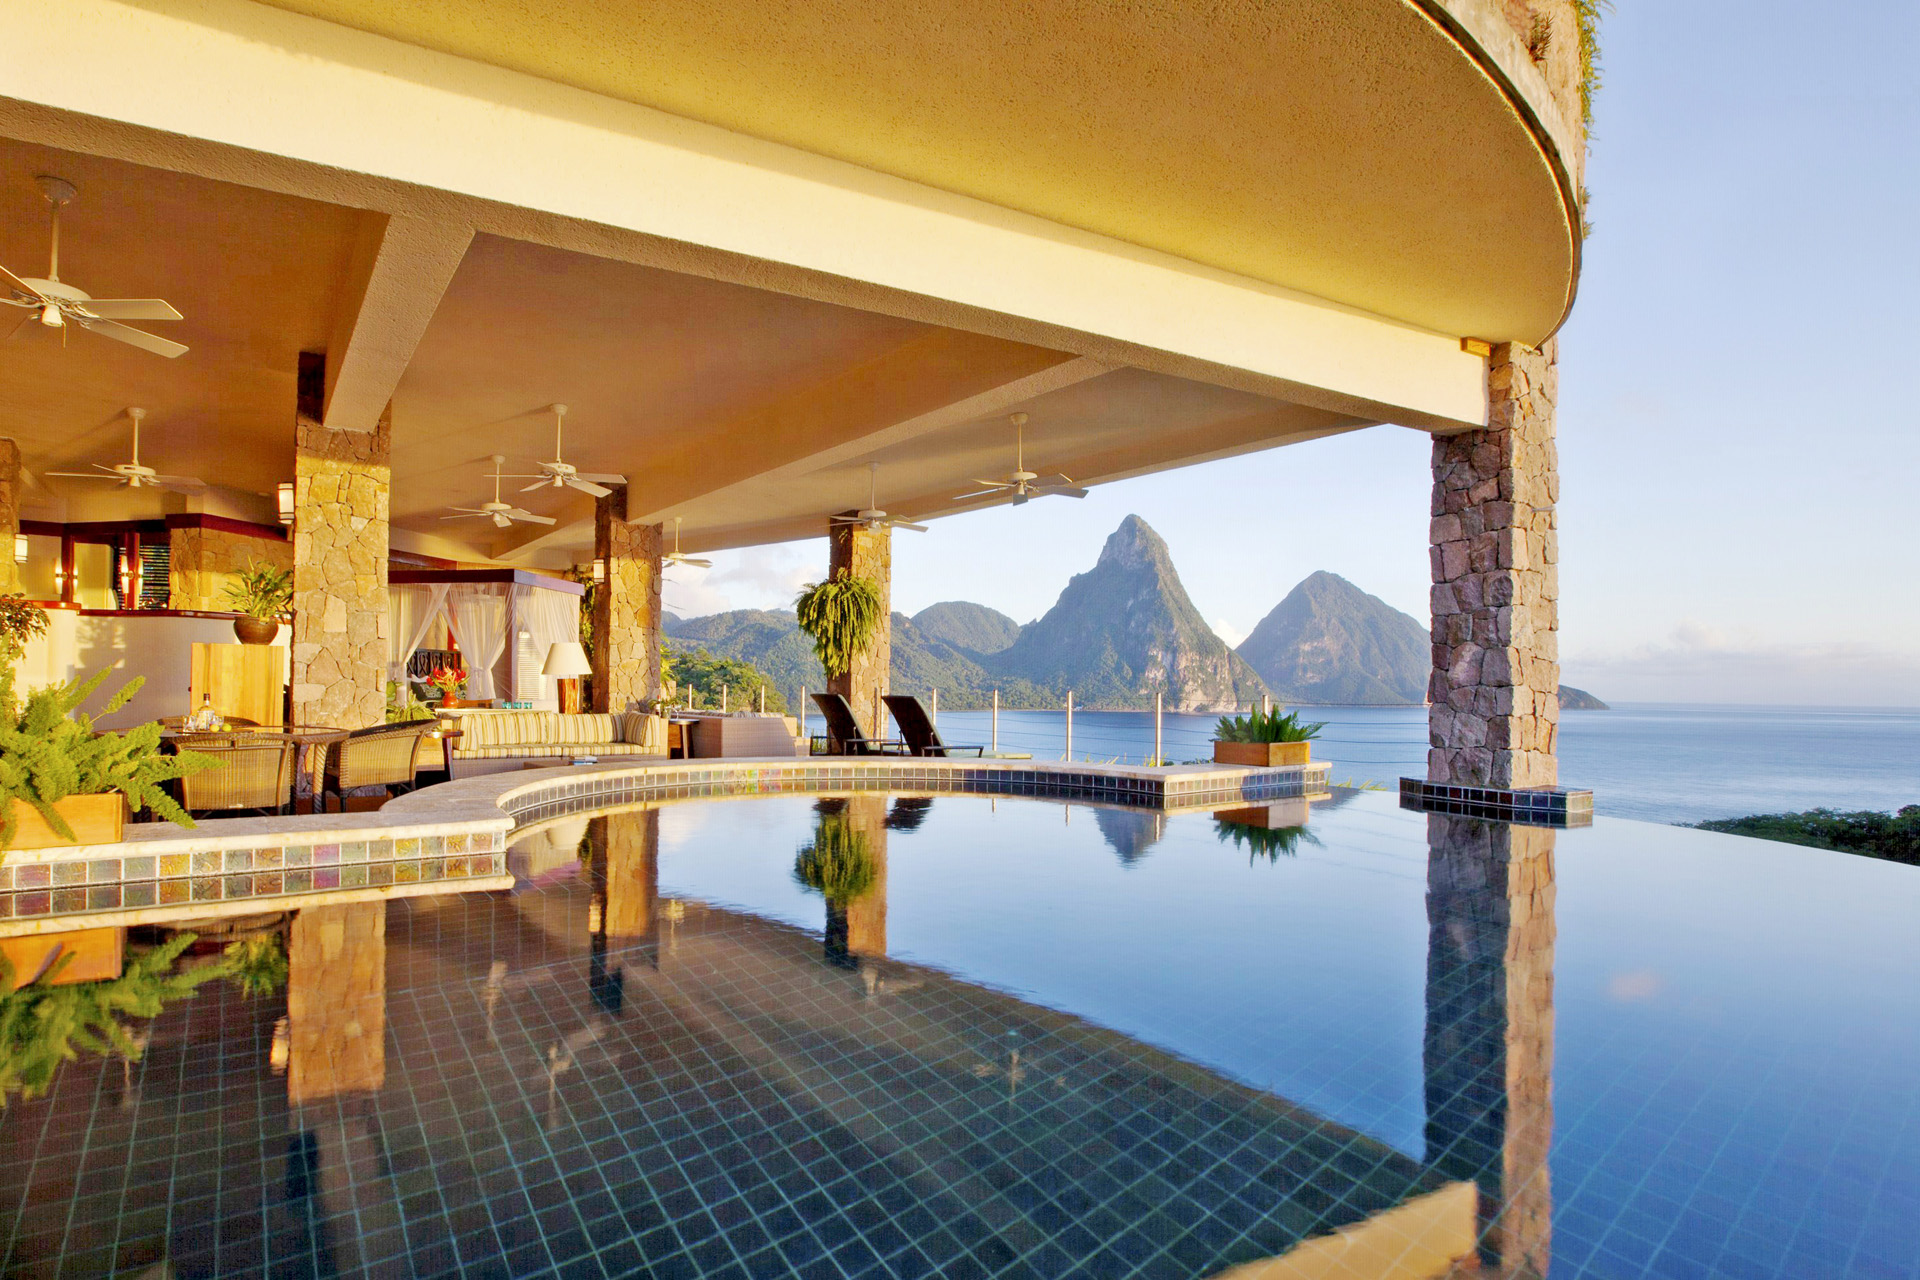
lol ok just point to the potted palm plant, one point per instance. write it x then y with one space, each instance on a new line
1264 738
63 783
261 594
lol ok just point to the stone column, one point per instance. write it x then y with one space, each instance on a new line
626 607
9 512
1494 713
1489 1039
339 567
866 553
631 871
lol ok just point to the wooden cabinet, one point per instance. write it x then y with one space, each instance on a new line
244 680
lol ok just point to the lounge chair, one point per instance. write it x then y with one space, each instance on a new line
844 737
381 756
917 727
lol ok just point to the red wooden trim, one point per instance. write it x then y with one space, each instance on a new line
522 577
43 528
151 613
104 530
226 524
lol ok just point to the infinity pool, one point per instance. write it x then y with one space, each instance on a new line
899 1036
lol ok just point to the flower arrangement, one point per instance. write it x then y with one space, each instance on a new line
449 681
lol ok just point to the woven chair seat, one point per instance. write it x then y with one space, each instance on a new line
381 756
255 772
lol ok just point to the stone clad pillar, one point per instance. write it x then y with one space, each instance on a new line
866 915
1489 1040
9 512
1494 694
626 607
866 553
337 1001
341 494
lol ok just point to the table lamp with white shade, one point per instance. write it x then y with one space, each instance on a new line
567 661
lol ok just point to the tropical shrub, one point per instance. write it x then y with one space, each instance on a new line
1870 832
404 706
842 615
49 751
20 621
1267 726
705 674
261 591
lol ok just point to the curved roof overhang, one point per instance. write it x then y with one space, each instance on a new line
1401 157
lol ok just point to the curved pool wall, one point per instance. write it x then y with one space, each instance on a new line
454 835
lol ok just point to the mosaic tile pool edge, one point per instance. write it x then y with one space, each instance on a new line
1525 806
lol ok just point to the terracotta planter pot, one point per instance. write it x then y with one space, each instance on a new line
256 630
95 819
449 700
1262 755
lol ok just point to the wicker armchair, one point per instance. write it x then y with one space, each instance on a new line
380 756
256 772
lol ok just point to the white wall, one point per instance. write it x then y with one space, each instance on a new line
158 648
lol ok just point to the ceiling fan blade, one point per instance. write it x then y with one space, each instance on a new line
546 482
133 337
994 484
984 493
528 516
1020 499
132 309
698 564
178 484
464 515
587 486
16 282
1060 490
599 477
902 524
500 520
111 474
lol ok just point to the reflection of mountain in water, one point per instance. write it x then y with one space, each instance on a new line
1130 832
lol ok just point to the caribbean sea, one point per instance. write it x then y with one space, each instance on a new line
1652 761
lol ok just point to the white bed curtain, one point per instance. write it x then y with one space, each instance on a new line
478 617
412 611
547 617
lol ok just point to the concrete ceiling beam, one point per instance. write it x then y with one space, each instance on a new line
943 379
285 101
401 268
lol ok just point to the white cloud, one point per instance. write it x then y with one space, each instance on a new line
1228 632
751 578
1701 663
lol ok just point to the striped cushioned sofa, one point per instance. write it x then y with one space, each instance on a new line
493 741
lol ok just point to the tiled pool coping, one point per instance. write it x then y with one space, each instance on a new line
455 835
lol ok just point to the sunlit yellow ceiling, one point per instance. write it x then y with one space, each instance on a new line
1349 150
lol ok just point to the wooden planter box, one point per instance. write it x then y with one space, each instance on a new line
95 819
98 955
1261 755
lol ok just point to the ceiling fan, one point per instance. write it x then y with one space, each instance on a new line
501 513
872 517
59 303
677 557
1021 483
132 474
558 474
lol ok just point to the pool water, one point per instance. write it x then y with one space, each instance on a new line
899 1036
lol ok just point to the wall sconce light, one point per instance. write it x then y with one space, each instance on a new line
599 570
283 497
19 548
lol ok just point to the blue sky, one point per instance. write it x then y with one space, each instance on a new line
1740 456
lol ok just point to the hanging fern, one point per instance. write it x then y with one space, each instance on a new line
842 614
49 750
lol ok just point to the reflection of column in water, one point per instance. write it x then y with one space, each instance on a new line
336 1059
1489 1038
851 830
626 882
